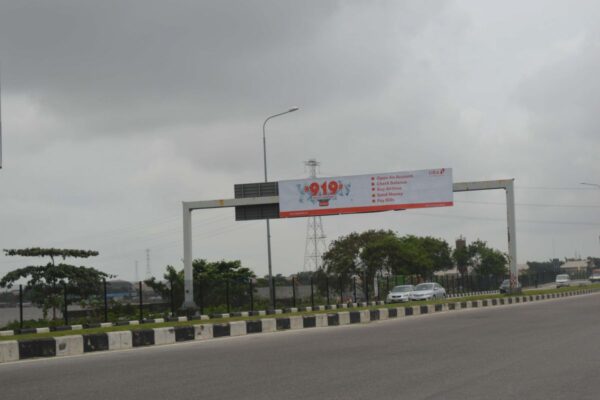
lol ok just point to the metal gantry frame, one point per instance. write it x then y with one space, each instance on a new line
189 206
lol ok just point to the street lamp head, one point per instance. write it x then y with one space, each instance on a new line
293 109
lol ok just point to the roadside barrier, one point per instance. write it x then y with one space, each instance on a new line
14 350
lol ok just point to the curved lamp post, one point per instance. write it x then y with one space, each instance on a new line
591 184
271 284
597 186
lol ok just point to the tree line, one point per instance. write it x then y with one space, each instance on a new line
383 251
364 254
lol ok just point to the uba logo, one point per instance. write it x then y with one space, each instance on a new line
440 171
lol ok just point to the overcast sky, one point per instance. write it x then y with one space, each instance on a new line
115 112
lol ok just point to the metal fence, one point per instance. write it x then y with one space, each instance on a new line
118 300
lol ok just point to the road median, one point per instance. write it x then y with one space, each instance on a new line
65 343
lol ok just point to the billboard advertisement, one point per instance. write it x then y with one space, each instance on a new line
366 193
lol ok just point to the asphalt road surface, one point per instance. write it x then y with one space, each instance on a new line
546 350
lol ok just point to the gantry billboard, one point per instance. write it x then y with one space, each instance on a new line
365 193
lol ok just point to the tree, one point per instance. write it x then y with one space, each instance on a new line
46 282
215 277
544 267
425 255
485 260
401 256
593 263
171 286
220 270
461 257
377 251
439 252
344 254
210 277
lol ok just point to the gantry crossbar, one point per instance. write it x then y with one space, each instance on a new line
189 206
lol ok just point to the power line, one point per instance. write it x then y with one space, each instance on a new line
528 221
161 233
197 236
569 188
531 204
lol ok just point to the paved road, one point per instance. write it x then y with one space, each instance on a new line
547 350
552 285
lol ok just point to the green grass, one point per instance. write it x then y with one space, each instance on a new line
223 320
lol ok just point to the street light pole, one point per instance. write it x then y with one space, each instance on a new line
597 186
271 288
591 184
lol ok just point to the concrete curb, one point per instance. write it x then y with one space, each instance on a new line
216 315
14 350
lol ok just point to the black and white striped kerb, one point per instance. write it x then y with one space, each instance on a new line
374 315
37 348
142 337
184 333
95 342
220 330
13 350
283 324
222 315
309 321
254 326
333 319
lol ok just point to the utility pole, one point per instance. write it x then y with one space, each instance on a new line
315 235
0 120
137 275
148 270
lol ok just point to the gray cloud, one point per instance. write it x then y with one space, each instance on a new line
116 112
145 65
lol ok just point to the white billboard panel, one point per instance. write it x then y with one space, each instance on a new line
366 193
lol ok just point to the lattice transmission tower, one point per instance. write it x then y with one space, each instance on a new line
148 269
315 235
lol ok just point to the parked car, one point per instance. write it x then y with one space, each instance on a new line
428 291
562 280
505 286
400 293
595 277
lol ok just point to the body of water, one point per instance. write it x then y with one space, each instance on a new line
11 314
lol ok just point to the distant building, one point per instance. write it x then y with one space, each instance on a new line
119 289
574 266
449 272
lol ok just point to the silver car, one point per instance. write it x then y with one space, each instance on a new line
400 293
428 291
563 280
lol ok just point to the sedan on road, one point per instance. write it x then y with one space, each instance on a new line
563 280
505 286
428 291
400 293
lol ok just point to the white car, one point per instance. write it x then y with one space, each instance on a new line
562 280
595 277
400 293
428 291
